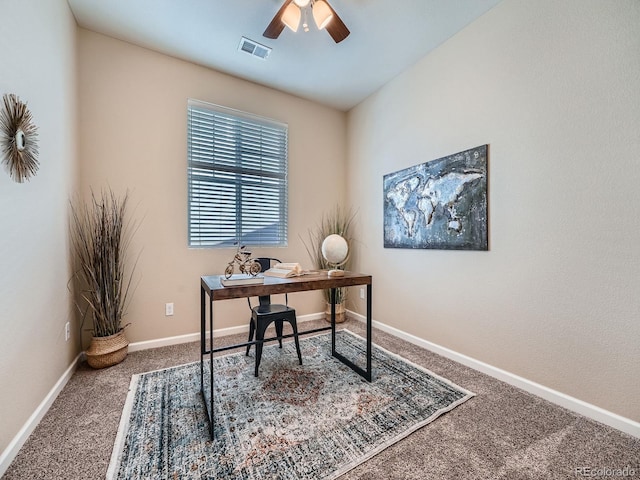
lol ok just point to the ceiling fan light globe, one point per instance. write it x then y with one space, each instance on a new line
301 3
322 14
291 17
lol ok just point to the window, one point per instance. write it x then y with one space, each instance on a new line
237 177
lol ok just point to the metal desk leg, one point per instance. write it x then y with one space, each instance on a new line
368 377
333 321
208 402
203 346
212 417
203 352
366 374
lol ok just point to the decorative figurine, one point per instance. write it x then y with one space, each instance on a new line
246 264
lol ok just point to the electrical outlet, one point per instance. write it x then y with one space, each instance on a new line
168 309
362 293
67 331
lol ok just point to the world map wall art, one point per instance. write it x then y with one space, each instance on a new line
440 204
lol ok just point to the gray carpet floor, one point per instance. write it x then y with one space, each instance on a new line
502 433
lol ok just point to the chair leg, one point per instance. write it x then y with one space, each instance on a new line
258 357
260 329
252 329
295 337
279 330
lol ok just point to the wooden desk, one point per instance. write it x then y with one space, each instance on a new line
210 287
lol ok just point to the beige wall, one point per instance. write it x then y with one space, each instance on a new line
133 106
37 63
553 89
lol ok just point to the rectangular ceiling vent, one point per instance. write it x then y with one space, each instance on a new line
254 48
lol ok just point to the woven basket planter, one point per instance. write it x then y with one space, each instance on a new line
107 351
341 313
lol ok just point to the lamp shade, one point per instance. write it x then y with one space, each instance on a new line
322 14
291 17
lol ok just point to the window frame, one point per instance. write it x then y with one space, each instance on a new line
244 152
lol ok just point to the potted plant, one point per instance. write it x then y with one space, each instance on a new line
100 238
338 221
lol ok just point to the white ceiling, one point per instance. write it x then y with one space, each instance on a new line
387 36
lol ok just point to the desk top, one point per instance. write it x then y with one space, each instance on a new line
273 285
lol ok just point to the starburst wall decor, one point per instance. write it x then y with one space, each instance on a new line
18 139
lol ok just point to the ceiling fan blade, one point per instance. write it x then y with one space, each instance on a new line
336 28
274 29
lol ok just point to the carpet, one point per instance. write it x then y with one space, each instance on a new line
315 421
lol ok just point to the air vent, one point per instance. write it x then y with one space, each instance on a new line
254 48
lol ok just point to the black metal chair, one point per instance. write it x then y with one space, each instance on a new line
265 313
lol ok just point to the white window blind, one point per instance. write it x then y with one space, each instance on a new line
237 177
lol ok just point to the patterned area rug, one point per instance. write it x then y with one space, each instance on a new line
315 421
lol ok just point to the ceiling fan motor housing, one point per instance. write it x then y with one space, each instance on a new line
290 14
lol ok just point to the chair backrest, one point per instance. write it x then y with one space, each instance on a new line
265 264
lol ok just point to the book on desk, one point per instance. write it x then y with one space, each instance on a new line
241 279
285 270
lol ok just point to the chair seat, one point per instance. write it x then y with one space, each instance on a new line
273 309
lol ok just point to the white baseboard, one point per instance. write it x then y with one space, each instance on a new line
574 404
18 441
195 337
164 342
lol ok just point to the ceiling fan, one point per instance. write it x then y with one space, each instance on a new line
324 16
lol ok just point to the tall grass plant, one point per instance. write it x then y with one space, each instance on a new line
101 238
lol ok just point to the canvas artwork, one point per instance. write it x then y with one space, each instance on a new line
440 204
